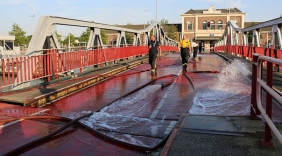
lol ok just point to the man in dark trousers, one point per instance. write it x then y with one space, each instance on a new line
194 45
200 46
154 49
185 48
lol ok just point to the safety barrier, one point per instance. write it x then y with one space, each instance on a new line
257 108
248 51
51 64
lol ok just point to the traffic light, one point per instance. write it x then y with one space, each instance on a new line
209 24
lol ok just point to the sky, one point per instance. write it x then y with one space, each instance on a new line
26 13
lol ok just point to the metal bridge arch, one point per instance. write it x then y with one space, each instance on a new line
232 29
46 27
44 38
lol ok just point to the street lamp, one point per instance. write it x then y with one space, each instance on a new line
69 42
157 10
145 11
32 16
235 15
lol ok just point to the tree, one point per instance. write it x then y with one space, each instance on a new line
129 36
250 34
28 38
84 37
150 22
17 31
72 40
172 32
164 21
104 36
59 37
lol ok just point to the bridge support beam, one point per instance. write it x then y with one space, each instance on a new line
245 38
95 39
256 38
276 37
237 38
136 39
121 39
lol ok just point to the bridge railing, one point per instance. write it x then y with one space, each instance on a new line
50 65
258 84
247 43
248 51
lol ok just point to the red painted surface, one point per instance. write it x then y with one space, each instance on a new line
247 51
44 66
76 141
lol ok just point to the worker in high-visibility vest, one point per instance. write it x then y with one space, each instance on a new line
185 48
154 48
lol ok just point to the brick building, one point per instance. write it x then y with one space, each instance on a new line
208 25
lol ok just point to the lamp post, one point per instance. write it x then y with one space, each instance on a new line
32 16
69 42
145 11
235 16
156 10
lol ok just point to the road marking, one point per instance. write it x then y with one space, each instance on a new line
16 121
170 127
156 111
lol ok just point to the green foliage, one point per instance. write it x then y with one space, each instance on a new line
250 34
84 37
164 21
72 40
172 32
104 36
129 36
150 22
59 37
20 38
28 38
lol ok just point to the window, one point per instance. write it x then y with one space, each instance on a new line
204 25
189 25
212 25
219 25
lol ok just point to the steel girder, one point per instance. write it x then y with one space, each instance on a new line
276 41
46 27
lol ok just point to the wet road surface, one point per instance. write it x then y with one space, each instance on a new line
160 105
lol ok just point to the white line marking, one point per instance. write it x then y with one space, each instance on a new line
16 121
170 127
155 112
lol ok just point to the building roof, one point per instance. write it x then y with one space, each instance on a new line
249 24
10 38
232 10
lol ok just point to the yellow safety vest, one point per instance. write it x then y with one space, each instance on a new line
184 43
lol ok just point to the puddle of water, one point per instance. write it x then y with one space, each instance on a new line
134 104
229 96
119 117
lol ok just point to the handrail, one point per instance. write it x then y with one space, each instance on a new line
266 114
52 63
231 34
